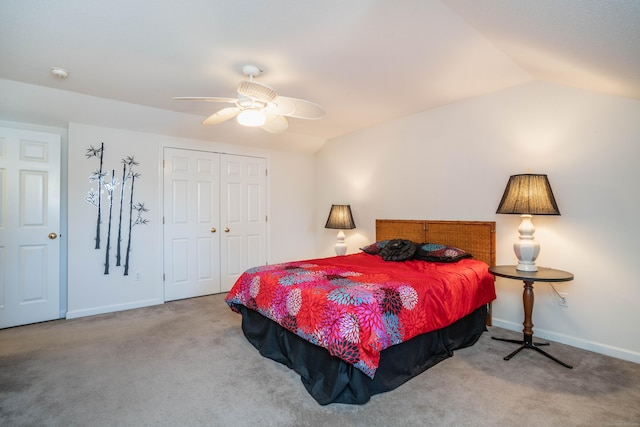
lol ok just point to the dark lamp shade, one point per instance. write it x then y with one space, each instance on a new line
340 218
528 194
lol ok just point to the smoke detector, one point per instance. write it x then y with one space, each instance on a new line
60 73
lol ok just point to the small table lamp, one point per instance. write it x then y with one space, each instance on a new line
340 218
527 195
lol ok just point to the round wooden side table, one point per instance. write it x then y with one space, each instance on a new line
529 277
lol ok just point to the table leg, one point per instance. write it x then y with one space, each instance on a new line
527 332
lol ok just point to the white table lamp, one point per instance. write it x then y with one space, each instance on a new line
340 218
527 195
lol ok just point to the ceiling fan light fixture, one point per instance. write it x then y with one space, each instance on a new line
258 105
251 117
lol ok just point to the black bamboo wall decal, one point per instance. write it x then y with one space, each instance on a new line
140 209
126 261
110 187
95 198
127 172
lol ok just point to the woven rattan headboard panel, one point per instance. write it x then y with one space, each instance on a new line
475 237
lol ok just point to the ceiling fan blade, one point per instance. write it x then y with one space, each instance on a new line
298 108
221 116
275 123
205 98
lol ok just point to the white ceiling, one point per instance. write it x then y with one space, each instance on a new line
364 61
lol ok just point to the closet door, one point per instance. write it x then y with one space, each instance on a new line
243 216
191 222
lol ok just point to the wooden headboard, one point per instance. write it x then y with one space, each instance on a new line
476 237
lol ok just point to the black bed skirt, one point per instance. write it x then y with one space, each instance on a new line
331 380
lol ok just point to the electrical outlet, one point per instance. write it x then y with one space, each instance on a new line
563 299
138 276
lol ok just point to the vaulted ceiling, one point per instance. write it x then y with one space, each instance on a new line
364 61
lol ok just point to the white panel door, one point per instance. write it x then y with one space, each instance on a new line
191 222
243 216
29 227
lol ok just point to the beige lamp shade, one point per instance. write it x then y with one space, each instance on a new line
340 218
527 195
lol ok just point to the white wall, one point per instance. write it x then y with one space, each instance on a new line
454 162
90 291
134 130
293 196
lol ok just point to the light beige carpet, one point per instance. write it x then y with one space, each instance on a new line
186 363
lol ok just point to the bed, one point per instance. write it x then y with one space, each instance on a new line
358 325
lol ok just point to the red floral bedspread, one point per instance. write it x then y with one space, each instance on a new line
357 305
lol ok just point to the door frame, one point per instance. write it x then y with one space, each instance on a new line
212 148
63 133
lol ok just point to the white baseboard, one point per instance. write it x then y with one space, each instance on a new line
607 350
112 308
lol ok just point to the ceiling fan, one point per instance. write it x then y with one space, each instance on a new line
259 105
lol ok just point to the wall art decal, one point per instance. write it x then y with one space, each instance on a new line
96 198
127 174
139 208
110 188
108 183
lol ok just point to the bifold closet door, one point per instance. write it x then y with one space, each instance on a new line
191 222
243 216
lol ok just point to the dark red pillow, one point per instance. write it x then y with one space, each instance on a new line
374 248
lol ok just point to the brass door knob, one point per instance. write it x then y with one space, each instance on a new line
52 236
226 229
213 229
